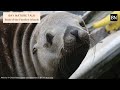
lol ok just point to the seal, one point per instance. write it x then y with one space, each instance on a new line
58 45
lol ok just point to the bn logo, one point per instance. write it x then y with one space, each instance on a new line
113 17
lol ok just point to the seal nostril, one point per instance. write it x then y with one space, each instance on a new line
74 32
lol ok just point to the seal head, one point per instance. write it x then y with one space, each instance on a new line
61 44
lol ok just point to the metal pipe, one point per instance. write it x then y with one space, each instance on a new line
105 51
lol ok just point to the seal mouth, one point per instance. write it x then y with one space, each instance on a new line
71 59
72 48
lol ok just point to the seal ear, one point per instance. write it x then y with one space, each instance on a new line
34 49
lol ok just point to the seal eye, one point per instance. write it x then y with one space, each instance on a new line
49 38
82 24
34 50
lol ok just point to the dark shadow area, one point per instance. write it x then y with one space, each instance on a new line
114 72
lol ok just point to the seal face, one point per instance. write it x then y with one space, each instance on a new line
60 44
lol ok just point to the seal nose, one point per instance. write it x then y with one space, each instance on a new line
81 34
74 34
